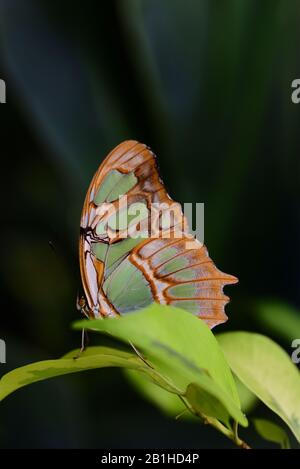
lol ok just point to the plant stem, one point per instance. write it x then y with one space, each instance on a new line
219 426
232 435
242 444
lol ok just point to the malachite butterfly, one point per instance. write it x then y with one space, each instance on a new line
135 246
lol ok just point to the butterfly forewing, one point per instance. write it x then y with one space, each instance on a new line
135 246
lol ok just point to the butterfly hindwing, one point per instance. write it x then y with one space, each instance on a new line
180 273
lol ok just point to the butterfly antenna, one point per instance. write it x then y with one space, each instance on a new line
181 414
52 246
140 355
78 306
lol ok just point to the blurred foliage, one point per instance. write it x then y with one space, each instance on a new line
267 371
207 85
272 432
279 318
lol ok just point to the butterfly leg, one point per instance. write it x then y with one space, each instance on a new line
82 307
84 340
84 343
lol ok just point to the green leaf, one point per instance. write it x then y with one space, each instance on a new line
180 347
168 402
279 318
247 398
180 354
93 357
272 432
202 401
267 371
208 403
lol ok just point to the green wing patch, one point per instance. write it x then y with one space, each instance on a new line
114 185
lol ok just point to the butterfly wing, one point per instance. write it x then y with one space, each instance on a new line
130 171
121 273
181 274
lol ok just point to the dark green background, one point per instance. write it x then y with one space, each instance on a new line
205 83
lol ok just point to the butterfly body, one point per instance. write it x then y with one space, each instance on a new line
128 261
